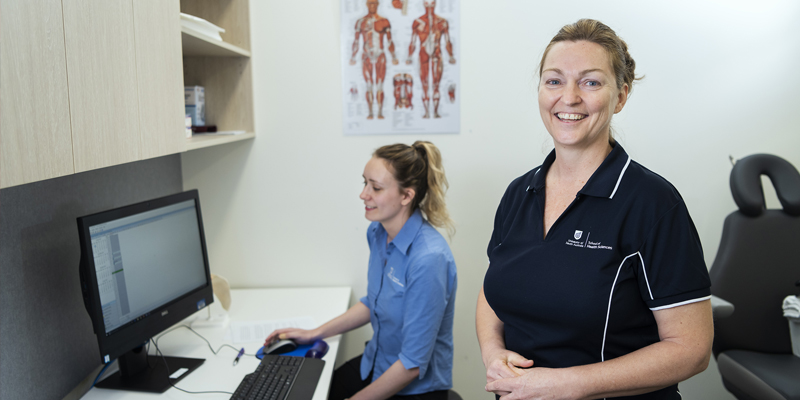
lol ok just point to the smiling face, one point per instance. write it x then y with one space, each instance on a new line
578 94
384 200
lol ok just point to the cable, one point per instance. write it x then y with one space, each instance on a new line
215 352
201 337
100 374
158 351
147 351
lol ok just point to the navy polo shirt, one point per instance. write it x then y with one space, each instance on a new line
625 247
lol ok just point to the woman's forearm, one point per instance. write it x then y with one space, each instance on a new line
488 327
684 351
686 334
355 317
387 385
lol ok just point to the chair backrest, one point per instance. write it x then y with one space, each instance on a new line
758 261
452 395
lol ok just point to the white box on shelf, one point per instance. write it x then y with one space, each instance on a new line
195 98
201 26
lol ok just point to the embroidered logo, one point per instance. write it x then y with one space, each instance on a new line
394 278
587 244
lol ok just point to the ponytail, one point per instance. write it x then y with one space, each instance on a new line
419 166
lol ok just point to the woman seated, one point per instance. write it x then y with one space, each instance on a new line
411 284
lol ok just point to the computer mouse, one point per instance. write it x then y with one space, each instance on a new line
281 346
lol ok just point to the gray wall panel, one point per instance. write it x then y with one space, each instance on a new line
46 341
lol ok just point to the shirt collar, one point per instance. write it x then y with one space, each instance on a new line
603 182
408 232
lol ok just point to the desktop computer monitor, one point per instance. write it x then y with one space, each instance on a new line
144 267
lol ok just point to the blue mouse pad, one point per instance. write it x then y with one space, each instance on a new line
300 351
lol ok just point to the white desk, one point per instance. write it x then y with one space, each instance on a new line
218 373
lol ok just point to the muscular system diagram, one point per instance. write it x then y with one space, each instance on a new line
373 29
401 4
430 29
403 84
401 50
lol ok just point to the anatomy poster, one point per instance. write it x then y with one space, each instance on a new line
400 66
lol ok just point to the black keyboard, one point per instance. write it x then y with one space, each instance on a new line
272 380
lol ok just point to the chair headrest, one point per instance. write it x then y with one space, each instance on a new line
746 184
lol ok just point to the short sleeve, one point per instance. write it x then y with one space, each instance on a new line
497 231
426 302
673 270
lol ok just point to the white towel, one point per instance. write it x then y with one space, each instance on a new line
791 307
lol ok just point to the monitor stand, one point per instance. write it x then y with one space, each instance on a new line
145 373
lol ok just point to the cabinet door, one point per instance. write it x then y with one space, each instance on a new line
159 67
35 138
103 99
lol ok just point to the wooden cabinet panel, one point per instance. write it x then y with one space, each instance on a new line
35 139
103 99
160 77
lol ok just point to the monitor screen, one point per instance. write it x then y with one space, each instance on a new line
145 261
144 267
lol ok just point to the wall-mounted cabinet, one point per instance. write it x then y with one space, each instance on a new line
124 80
35 135
223 68
87 85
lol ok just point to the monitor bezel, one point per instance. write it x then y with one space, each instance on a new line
131 336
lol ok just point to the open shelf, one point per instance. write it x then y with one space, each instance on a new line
222 67
197 44
200 141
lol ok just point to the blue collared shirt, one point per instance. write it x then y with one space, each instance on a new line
411 291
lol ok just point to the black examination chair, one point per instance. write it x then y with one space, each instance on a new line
756 267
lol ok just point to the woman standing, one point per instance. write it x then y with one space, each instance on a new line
411 284
597 286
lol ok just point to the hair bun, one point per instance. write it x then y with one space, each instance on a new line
419 147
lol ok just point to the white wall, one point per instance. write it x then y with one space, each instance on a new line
722 78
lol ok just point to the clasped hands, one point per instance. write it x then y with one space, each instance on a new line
512 377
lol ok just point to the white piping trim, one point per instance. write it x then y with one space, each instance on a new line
620 177
647 281
528 189
682 303
608 311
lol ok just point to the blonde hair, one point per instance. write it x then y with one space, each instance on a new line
419 167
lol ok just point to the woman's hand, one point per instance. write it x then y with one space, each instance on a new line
534 384
502 364
356 316
686 334
301 336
